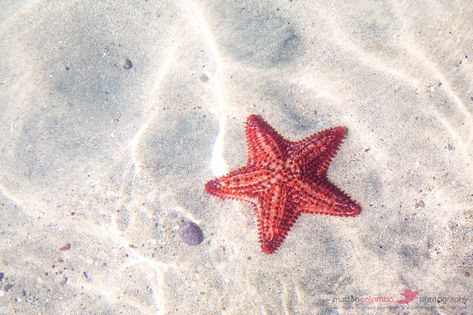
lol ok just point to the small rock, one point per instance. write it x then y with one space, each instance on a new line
88 276
66 246
128 64
1 276
419 204
63 281
191 233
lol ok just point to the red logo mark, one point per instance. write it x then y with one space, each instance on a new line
408 295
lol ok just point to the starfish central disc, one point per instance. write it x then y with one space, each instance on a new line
283 171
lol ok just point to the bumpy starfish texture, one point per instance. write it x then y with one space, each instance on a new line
284 179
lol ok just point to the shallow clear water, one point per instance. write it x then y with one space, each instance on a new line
113 116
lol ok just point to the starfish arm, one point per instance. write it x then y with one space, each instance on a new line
242 183
323 198
275 217
264 143
316 152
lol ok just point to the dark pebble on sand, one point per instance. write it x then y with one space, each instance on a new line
8 287
88 276
128 64
1 276
190 233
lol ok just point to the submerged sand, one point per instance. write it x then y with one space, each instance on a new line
114 114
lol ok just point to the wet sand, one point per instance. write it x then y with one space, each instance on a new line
114 115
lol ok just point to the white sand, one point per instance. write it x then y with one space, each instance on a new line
110 160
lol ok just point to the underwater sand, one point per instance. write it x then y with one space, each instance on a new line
113 115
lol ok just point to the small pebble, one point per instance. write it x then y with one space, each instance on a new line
190 233
8 287
419 204
88 276
128 64
1 276
63 281
66 246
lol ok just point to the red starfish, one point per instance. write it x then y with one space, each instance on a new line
286 178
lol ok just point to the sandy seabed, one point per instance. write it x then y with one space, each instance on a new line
113 115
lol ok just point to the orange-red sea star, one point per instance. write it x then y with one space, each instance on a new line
283 179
